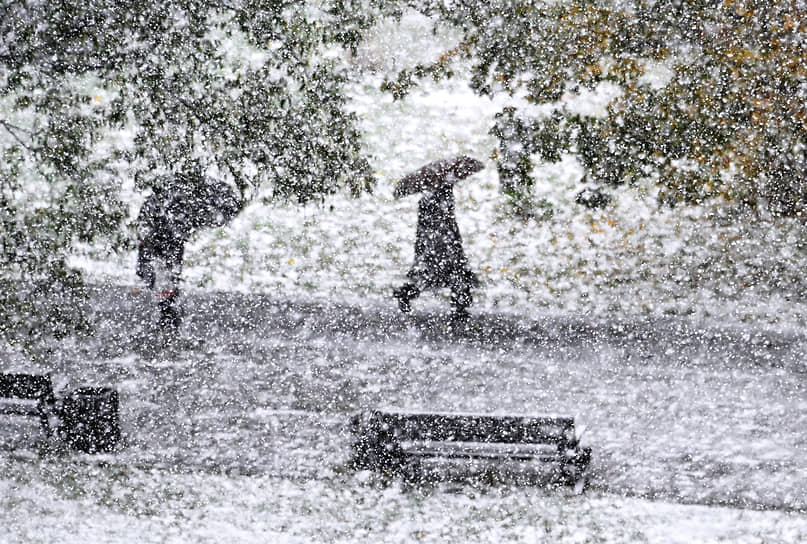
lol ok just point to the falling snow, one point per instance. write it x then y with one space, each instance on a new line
673 335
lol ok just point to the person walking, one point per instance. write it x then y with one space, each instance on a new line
440 261
170 215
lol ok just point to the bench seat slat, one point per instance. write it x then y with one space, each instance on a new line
481 450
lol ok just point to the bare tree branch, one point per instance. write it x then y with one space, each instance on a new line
11 130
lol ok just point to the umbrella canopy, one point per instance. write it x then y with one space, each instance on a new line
212 204
437 174
181 207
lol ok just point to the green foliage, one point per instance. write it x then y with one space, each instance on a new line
243 90
438 70
712 100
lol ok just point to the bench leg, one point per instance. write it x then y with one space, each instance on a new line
411 471
573 469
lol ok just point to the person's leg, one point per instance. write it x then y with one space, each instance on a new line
170 316
405 294
145 265
461 298
170 311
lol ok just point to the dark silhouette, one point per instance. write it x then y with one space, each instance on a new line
437 174
168 218
439 258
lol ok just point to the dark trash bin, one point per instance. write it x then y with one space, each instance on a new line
90 420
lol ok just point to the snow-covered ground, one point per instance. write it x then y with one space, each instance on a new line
163 506
239 429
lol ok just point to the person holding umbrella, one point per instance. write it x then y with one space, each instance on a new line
439 258
170 215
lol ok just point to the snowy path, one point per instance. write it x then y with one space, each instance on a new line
258 384
258 387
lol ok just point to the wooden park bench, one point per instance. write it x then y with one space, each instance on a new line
399 442
25 395
87 419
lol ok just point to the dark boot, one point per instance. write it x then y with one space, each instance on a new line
461 298
405 294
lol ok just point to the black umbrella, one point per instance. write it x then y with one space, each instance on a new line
437 174
181 206
213 204
206 203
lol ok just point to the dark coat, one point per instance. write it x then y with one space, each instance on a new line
439 258
162 237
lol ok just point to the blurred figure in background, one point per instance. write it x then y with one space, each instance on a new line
174 211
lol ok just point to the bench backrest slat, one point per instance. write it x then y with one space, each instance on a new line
477 428
26 386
